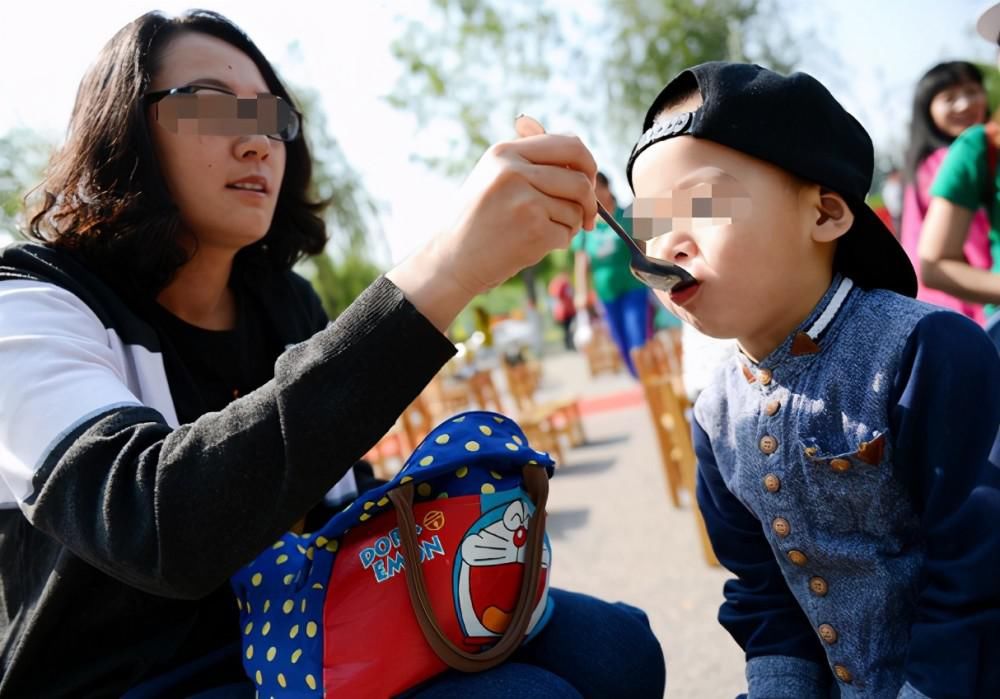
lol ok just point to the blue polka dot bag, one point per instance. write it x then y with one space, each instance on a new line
444 566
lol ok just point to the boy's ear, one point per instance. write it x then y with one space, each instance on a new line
833 217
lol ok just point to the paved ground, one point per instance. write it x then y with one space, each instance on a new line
615 535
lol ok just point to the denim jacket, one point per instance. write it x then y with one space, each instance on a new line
848 481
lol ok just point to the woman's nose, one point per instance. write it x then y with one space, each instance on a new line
256 147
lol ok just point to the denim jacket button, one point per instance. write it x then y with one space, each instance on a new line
818 586
768 444
772 407
840 465
842 674
781 527
797 557
765 376
828 634
811 451
772 483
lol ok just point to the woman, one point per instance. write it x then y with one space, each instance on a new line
173 399
949 98
603 257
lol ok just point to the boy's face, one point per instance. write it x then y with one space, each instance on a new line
740 226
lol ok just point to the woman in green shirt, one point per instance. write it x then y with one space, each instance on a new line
624 299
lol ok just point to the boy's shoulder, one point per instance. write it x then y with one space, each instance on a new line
862 351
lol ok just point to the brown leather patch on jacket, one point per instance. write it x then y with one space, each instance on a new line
871 452
803 344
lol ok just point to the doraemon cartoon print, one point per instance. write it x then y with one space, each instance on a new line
489 569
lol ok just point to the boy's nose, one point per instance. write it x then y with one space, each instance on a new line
674 247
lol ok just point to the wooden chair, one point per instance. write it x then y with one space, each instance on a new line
446 396
564 414
601 352
484 392
387 456
540 430
673 431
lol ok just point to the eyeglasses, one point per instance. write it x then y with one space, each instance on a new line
220 112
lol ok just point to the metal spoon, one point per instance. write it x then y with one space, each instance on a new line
654 273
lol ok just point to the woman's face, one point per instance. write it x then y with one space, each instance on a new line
225 185
958 107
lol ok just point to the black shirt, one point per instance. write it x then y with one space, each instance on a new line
207 369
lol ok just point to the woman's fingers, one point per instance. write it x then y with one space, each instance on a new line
553 149
567 214
569 185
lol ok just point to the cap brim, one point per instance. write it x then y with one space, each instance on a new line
988 24
871 256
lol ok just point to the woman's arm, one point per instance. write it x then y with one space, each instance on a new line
942 262
175 511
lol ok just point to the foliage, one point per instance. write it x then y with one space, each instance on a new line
650 41
23 155
449 62
339 283
478 63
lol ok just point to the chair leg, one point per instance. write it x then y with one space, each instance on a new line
706 544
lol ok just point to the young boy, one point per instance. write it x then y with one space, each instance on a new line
847 454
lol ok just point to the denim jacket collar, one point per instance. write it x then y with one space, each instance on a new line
807 340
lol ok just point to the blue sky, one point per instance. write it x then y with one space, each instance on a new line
869 54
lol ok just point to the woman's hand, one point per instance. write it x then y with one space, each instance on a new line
523 199
942 261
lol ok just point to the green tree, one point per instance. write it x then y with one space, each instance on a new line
348 265
23 155
650 41
473 65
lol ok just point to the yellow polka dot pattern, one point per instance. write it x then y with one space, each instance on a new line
275 664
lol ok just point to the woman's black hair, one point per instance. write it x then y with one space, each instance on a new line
925 136
105 198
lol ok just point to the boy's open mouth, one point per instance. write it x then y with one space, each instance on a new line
682 293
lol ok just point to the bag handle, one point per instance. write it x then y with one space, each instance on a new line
536 484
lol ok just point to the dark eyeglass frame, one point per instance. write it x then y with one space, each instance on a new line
154 97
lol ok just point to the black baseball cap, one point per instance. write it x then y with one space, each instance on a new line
792 122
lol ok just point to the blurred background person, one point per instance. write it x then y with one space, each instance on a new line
602 258
563 309
949 98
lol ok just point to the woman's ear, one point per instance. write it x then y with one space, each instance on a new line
834 217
